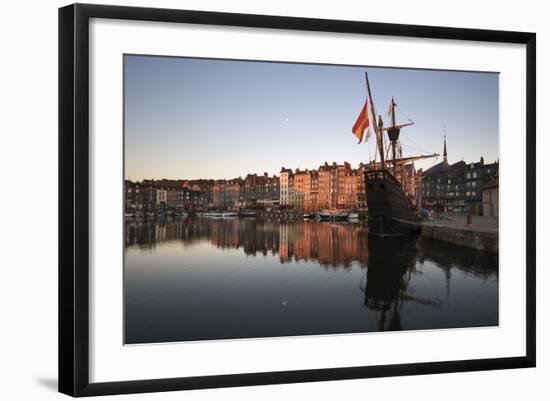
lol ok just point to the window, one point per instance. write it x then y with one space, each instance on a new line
468 193
468 175
475 175
474 193
473 183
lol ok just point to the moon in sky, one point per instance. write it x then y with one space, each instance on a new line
286 119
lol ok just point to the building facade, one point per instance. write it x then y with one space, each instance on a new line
162 198
456 187
227 194
490 198
268 190
285 180
462 187
302 189
332 184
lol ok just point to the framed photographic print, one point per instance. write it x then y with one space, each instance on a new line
249 199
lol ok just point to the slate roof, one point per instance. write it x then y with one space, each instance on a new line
444 167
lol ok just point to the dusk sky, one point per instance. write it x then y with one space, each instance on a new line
201 118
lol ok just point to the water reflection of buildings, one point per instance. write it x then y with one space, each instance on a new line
389 266
330 244
334 245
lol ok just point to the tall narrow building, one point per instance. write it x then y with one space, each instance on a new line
284 185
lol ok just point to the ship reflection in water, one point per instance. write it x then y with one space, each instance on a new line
202 278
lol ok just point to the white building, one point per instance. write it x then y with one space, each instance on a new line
284 186
162 197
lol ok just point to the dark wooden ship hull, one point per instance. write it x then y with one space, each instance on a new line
390 212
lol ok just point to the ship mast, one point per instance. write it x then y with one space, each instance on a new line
377 129
397 160
393 135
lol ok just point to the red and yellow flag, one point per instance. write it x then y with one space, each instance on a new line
362 123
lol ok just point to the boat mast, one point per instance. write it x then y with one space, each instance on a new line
393 134
377 129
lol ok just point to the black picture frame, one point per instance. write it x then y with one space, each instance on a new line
74 198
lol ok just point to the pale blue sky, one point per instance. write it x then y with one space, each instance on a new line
203 118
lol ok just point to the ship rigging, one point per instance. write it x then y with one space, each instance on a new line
391 208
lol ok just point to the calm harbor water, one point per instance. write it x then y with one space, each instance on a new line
202 278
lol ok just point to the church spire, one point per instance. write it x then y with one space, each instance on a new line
445 149
445 146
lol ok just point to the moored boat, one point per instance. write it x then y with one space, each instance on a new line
390 212
213 214
331 214
390 207
247 213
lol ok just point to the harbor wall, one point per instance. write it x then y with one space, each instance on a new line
480 240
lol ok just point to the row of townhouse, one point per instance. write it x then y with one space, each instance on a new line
176 194
461 187
331 186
